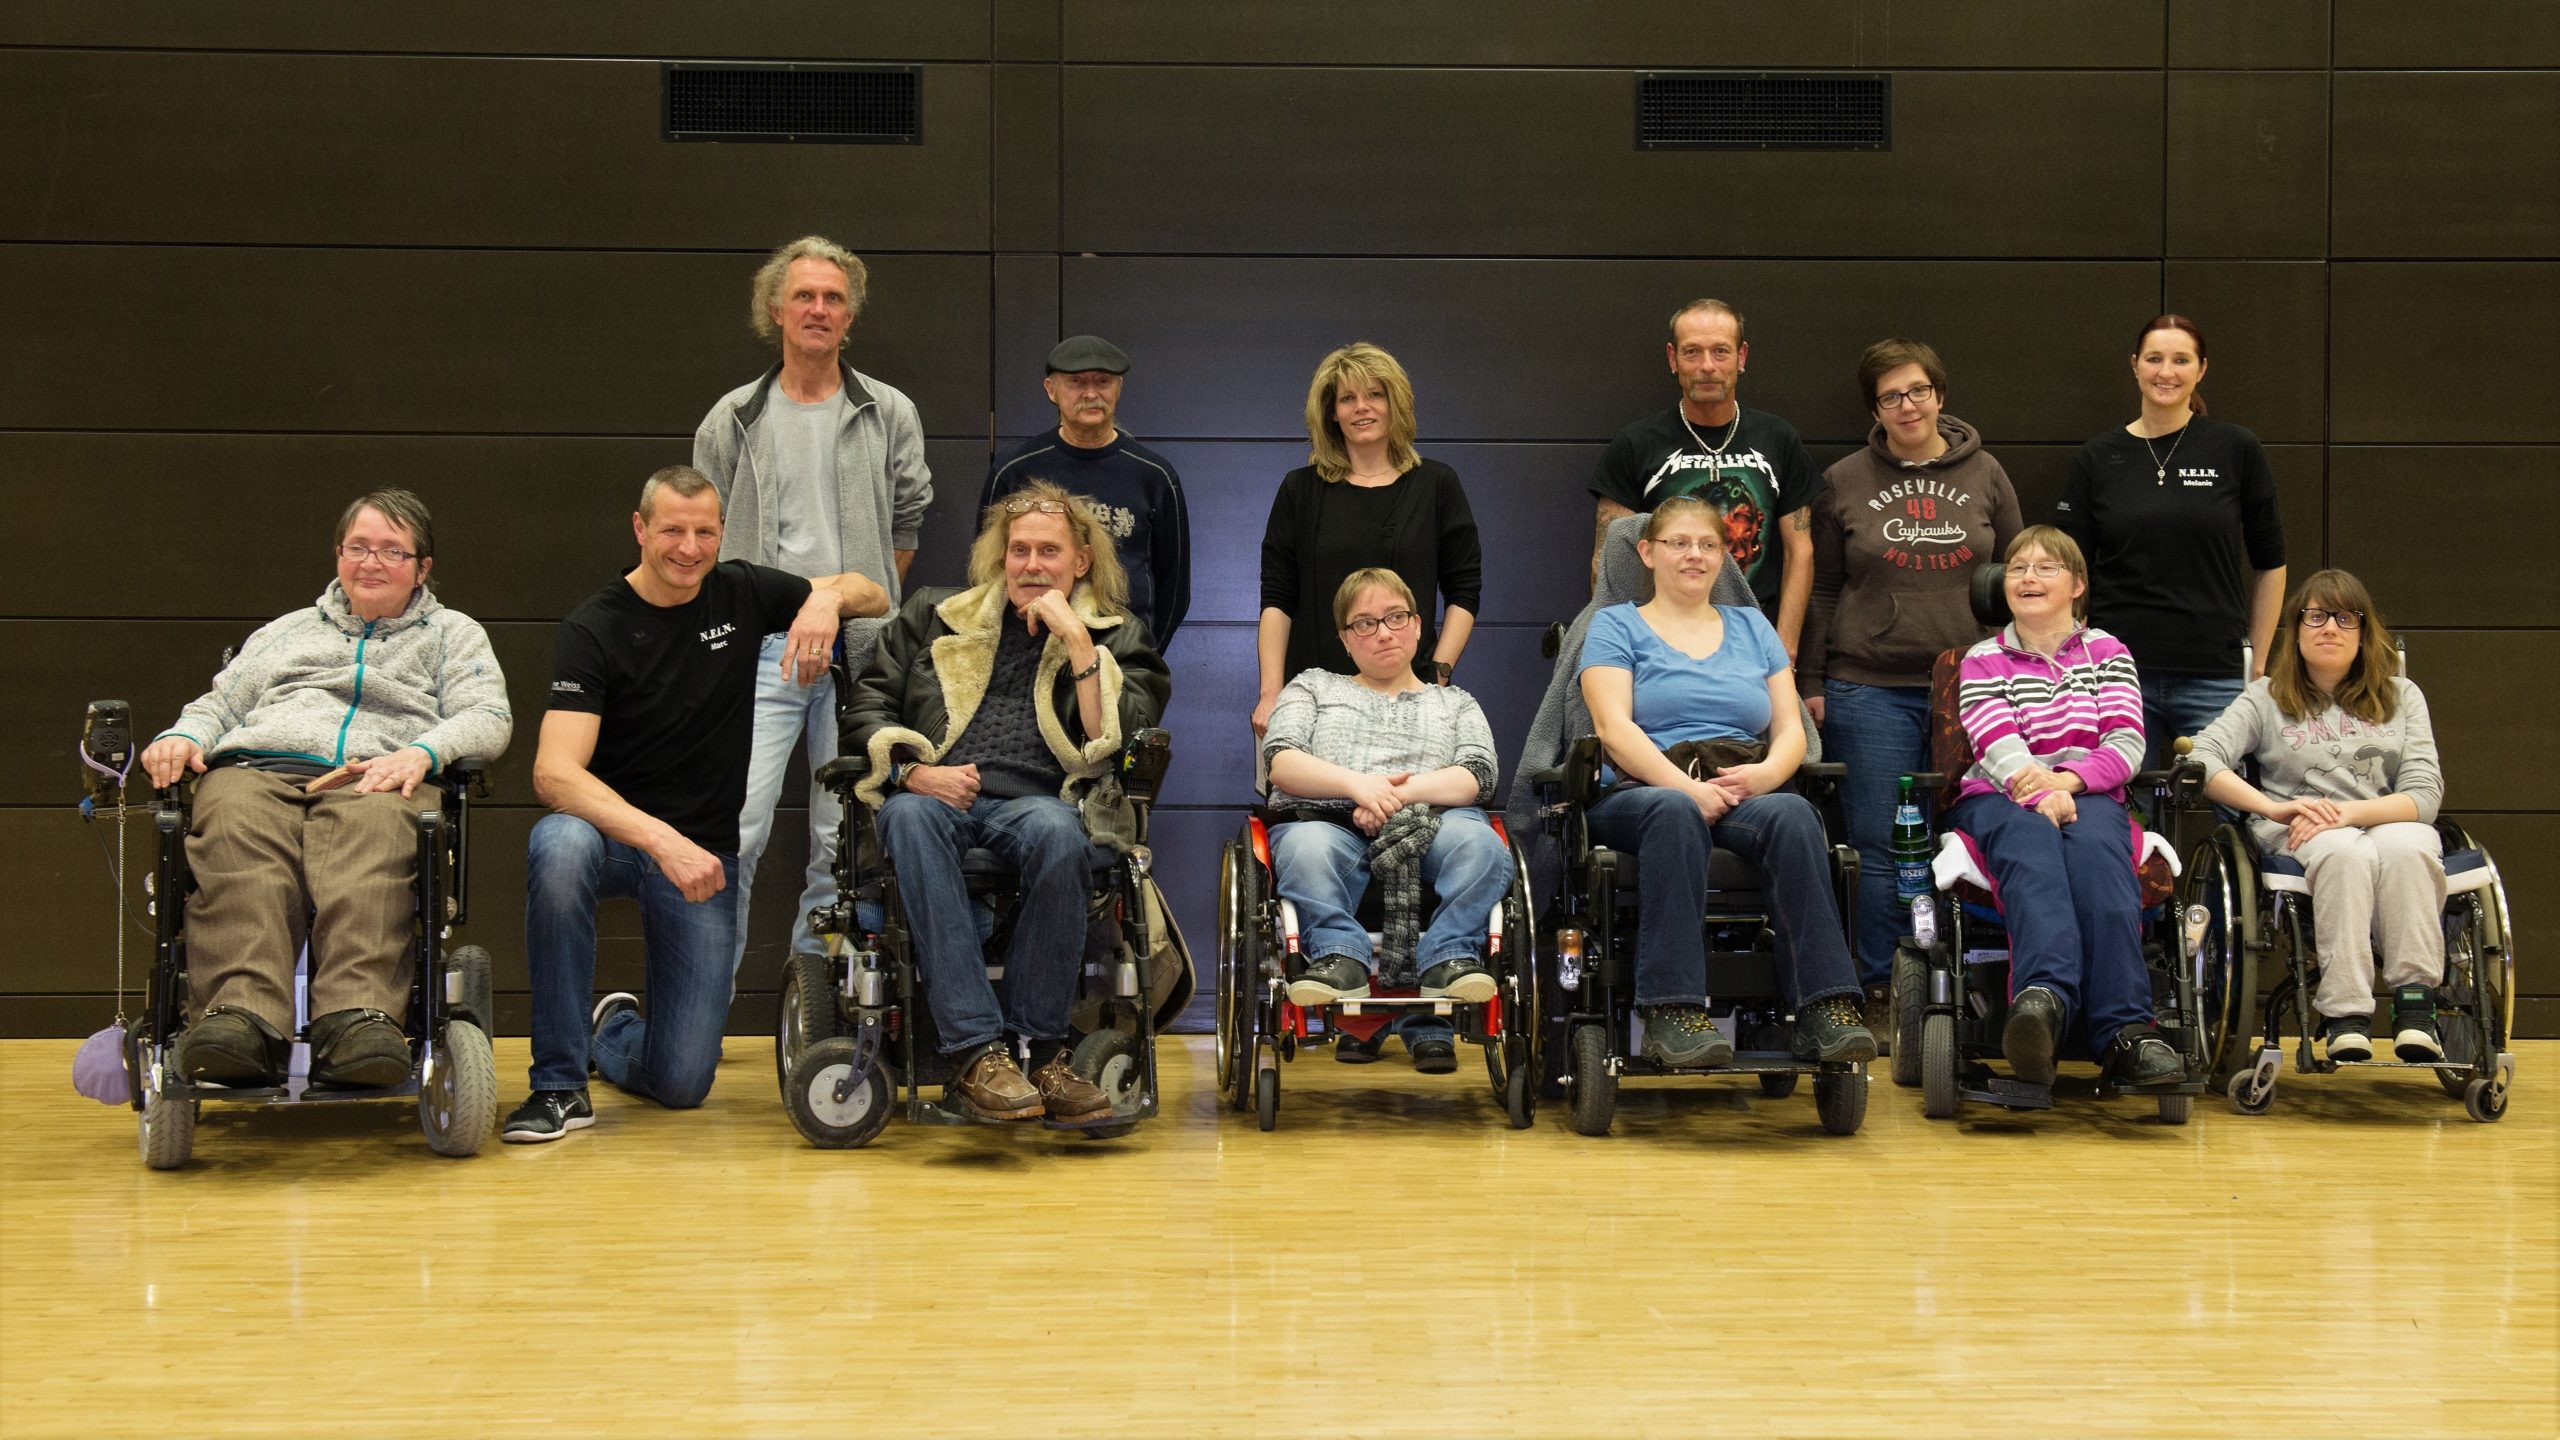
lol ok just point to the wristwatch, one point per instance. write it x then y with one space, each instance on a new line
898 774
1441 670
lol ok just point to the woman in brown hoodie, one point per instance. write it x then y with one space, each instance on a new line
1897 530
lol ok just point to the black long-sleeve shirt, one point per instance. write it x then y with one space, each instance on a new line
2172 557
1417 525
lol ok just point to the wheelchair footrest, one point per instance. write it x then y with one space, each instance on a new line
2011 1094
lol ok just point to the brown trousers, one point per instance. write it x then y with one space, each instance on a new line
265 857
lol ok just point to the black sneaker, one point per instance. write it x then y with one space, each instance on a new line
358 1050
1462 979
2413 1018
548 1115
1329 979
2348 1039
230 1046
1831 1030
1434 1054
2145 1060
1350 1049
1681 1037
2033 1029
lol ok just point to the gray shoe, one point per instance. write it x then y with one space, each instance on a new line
1328 979
1681 1037
1831 1030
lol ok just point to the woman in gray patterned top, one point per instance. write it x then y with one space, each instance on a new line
2348 785
1373 759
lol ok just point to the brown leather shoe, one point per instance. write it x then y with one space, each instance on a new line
992 1088
1070 1098
1877 1015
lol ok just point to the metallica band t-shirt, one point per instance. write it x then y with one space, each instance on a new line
676 687
1761 475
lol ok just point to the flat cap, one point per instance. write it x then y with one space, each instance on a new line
1079 353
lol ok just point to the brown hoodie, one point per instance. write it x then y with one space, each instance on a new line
1894 546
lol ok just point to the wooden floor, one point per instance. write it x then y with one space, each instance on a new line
1392 1261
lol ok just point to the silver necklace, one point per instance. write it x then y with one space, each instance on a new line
1715 450
2159 462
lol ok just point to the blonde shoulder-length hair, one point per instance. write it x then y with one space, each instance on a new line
1107 577
1358 363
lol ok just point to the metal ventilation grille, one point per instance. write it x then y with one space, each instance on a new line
834 104
1743 110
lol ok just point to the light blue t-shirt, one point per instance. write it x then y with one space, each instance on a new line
1723 697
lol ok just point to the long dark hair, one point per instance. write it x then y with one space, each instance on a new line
2367 690
2195 332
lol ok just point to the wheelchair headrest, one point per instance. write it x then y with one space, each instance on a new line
1624 580
1991 594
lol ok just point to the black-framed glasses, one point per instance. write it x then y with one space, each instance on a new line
391 555
1365 626
1916 395
2313 617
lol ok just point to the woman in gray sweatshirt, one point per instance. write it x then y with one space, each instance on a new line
2347 786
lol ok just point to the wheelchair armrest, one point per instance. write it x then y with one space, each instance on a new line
844 771
1830 770
467 776
1143 762
1925 782
1582 771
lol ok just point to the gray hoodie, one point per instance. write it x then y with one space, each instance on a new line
2328 756
321 685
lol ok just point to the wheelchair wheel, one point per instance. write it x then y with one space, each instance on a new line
832 1107
1239 966
2484 1100
2220 877
808 1013
1778 1086
1109 1058
1266 1099
1595 1090
479 1003
1938 1067
1520 1097
2177 1109
2247 1096
458 1094
2460 1035
1840 1098
1910 989
167 1130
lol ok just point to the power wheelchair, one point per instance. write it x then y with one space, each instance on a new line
1589 936
450 1012
1951 991
855 1040
1259 1027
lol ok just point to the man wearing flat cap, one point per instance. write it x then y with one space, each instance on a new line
1137 496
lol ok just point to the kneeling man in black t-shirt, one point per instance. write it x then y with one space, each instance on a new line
643 760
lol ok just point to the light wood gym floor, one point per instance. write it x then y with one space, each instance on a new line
2361 1261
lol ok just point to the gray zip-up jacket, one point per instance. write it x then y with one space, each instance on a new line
321 685
882 484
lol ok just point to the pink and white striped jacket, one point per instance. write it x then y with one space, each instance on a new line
2079 711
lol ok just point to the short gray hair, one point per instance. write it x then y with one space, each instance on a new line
400 507
685 481
777 266
1708 305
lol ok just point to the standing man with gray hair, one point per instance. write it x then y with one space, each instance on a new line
822 470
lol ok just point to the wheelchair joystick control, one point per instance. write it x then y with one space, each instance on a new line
106 749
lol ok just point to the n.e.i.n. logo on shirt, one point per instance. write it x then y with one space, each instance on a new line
713 637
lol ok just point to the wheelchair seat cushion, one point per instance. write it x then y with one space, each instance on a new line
2284 873
1959 866
2464 872
985 870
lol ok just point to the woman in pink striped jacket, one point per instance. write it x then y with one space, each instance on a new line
2054 710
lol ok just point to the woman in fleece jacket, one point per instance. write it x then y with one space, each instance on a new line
2348 785
2054 710
1897 531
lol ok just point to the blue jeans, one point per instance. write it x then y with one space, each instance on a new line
1042 840
2068 898
1323 869
2175 705
787 714
1670 838
692 951
1881 732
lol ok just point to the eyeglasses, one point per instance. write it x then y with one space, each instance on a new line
1916 395
1687 546
2313 617
2041 569
1365 626
1027 504
391 555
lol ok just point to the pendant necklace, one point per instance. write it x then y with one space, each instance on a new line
1716 450
2160 462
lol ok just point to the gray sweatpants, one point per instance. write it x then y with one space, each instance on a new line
2382 884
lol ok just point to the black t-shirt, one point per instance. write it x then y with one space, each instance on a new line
676 687
1418 525
1761 476
2172 558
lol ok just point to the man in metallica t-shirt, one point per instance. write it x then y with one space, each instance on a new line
1750 463
643 761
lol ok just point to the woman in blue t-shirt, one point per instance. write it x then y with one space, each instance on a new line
1681 668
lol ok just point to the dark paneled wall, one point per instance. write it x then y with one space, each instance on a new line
259 257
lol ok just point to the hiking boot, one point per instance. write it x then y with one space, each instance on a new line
1434 1054
1350 1049
1876 1014
230 1046
2032 1031
1681 1037
1329 978
1067 1097
992 1087
358 1050
2347 1038
1462 979
547 1115
2143 1059
2413 1017
1830 1030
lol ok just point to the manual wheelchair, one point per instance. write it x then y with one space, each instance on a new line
854 1038
1591 932
448 1017
1259 1026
